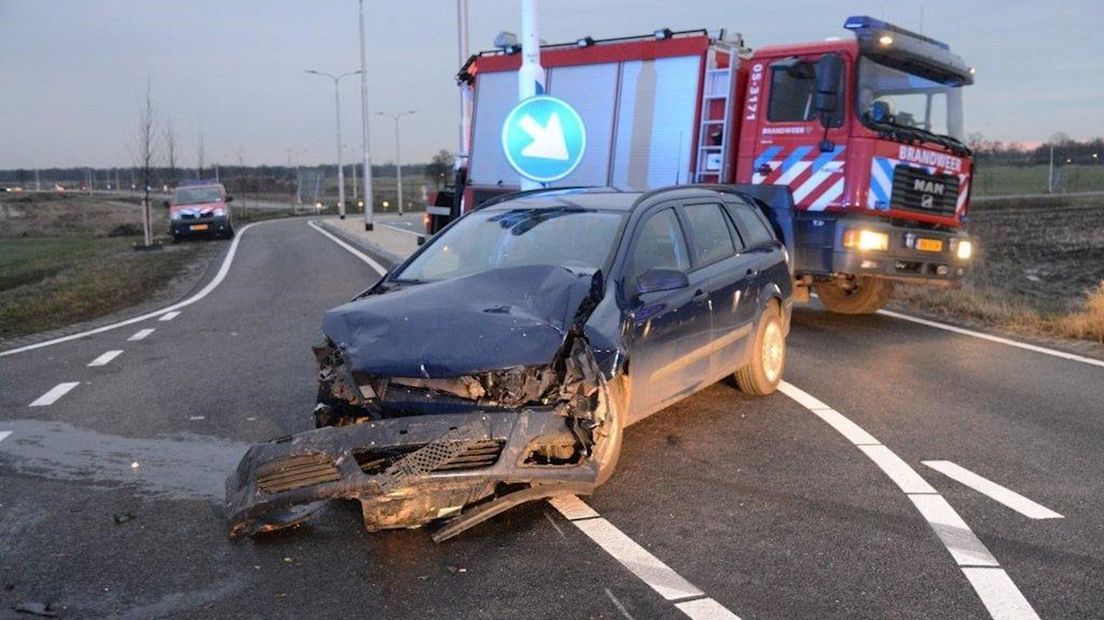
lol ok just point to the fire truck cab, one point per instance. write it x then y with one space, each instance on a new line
853 147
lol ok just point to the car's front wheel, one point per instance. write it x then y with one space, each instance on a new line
763 372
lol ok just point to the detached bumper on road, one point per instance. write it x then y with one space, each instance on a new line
405 472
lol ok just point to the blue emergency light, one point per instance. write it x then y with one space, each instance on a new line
865 22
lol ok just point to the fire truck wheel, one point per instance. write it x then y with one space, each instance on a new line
864 295
764 371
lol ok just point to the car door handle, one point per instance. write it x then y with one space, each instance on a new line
751 274
700 296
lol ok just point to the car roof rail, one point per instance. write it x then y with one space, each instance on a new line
541 191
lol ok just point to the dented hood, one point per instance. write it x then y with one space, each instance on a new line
501 318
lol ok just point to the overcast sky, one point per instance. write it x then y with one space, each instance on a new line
71 72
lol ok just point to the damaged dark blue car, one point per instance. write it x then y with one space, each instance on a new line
502 362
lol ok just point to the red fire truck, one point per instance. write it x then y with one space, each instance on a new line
854 147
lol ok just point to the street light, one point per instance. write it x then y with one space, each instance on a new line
337 103
398 160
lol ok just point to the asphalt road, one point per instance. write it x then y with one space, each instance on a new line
777 507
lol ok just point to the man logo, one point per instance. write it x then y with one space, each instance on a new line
928 187
927 201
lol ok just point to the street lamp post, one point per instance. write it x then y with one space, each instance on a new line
398 159
337 105
367 166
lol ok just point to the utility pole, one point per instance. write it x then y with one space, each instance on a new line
367 169
531 77
465 105
337 106
398 158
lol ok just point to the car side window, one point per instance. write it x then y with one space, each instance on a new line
710 230
661 245
750 224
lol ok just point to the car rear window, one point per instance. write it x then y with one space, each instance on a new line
661 245
709 227
750 224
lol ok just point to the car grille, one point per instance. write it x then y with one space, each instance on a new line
295 472
916 190
480 454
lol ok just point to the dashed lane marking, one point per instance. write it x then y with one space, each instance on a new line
54 394
168 316
205 291
355 252
105 359
992 490
687 597
1002 599
141 334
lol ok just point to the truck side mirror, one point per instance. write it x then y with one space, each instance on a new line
828 73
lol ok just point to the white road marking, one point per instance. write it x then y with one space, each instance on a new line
1001 597
573 508
55 393
4 435
994 491
404 230
900 472
640 562
205 291
140 334
996 339
960 540
168 316
196 418
105 359
705 609
355 252
853 432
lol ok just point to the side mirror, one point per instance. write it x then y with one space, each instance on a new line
656 280
828 73
229 199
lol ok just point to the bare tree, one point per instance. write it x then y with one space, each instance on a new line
144 154
199 154
170 151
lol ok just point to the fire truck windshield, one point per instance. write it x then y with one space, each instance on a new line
889 96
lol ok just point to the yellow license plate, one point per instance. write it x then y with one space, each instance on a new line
204 227
929 245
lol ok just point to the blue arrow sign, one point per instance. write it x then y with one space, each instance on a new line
543 138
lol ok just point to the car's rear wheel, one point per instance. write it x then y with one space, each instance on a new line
763 372
863 295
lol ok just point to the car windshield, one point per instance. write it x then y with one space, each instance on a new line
910 100
578 239
196 195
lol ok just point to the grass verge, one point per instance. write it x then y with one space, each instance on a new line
1079 320
53 282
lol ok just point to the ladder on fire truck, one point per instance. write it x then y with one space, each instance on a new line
714 160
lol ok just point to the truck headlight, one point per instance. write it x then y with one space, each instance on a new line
864 240
965 249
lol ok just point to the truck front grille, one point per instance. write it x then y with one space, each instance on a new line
916 190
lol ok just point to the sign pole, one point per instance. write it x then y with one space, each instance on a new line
531 74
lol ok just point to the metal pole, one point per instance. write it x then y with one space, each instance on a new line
340 168
364 122
531 74
1050 175
398 164
465 100
355 190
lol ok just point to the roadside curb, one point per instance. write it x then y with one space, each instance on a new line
389 259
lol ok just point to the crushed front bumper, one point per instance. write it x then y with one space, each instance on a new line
405 471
